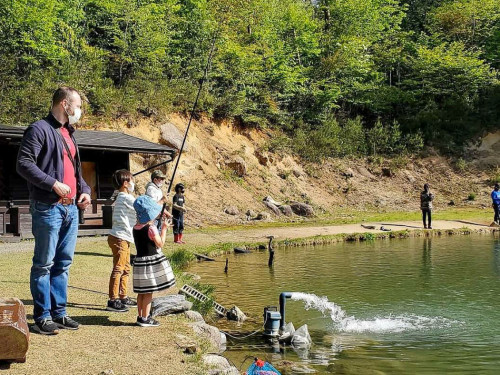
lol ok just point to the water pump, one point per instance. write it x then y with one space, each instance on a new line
274 321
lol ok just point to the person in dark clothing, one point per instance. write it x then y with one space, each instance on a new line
495 197
178 210
426 198
49 161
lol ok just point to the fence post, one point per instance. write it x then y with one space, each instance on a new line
15 220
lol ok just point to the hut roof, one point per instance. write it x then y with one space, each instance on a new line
100 140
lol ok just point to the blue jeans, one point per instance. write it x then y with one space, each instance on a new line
55 228
178 222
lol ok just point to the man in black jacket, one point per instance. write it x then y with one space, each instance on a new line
49 161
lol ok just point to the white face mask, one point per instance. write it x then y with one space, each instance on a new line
159 184
73 119
131 187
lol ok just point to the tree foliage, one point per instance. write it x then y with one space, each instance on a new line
344 77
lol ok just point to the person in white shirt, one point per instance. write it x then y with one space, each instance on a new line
153 188
119 240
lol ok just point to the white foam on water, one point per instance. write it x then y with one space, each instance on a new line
345 323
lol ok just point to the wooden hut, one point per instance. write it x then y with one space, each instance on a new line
101 152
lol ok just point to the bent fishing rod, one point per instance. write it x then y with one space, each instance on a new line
193 110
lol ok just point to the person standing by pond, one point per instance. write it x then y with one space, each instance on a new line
495 197
49 161
426 198
152 271
119 240
178 210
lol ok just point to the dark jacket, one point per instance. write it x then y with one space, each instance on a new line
40 160
426 200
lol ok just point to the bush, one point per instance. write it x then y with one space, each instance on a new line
180 259
461 165
495 176
471 197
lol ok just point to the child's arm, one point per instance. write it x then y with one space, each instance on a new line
160 238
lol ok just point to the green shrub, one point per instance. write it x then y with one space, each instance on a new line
180 259
471 197
461 165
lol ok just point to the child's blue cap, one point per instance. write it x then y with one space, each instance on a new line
146 208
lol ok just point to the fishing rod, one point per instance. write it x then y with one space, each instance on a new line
193 110
202 80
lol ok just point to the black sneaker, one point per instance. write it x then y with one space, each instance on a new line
66 323
116 305
46 327
147 322
128 302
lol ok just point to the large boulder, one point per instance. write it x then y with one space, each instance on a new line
219 365
302 209
273 208
238 165
171 304
171 136
286 210
212 334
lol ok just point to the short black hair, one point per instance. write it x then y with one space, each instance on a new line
120 176
63 92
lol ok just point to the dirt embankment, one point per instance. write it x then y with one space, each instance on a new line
216 151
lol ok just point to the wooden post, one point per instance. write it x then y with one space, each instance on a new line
271 251
107 216
226 267
15 220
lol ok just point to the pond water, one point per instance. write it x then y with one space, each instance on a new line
414 306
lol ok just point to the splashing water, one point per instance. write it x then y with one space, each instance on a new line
344 323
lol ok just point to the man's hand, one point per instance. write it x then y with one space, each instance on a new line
84 201
61 189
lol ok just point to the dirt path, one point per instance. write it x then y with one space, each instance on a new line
201 237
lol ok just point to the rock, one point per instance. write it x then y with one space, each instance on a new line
251 213
218 365
171 136
262 157
238 165
192 276
302 209
107 372
301 337
262 247
387 172
348 173
269 199
273 208
210 333
187 345
451 203
286 210
410 177
263 216
171 304
297 172
232 210
236 314
366 173
193 316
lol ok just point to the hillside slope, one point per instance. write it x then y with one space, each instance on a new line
376 185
